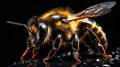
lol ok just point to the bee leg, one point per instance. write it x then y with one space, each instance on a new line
27 50
76 45
55 47
25 53
102 51
75 48
99 46
35 51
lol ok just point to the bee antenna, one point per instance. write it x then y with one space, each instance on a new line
19 24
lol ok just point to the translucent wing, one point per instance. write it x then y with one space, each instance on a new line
94 11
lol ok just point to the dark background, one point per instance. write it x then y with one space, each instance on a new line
14 40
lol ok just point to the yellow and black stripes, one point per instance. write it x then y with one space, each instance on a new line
97 29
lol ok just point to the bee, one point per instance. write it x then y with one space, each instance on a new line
61 27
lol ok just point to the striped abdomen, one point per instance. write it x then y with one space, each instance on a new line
97 29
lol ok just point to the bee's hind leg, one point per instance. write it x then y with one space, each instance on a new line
55 47
101 50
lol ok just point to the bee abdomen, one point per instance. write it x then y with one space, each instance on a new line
97 29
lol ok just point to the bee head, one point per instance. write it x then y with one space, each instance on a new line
32 24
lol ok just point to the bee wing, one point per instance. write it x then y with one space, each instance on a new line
94 11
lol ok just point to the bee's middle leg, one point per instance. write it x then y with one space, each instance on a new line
75 48
55 47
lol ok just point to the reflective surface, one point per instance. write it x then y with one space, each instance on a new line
66 60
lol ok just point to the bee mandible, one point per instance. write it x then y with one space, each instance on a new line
61 27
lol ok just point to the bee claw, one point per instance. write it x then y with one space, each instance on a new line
22 61
78 61
45 59
108 56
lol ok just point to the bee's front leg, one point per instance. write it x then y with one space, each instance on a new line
25 53
55 47
35 51
27 50
75 48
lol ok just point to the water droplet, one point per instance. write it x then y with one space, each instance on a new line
14 63
106 65
64 55
69 53
111 61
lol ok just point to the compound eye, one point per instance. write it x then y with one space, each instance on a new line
42 31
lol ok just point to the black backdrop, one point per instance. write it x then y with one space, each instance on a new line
21 10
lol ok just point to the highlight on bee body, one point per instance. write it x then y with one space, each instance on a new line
61 27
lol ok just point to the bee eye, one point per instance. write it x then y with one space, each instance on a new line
42 31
